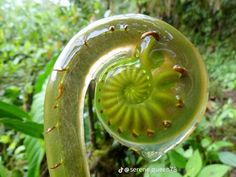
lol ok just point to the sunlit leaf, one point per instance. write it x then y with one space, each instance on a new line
194 164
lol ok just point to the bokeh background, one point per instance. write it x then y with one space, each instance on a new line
32 35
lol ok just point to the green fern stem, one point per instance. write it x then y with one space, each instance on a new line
151 89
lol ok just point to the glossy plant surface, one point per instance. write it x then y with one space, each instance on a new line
151 90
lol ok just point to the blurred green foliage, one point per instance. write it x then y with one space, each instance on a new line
33 34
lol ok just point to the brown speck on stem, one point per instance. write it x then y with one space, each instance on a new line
150 132
119 130
50 129
166 123
56 165
196 125
109 122
111 28
180 103
134 133
180 69
60 70
151 33
86 43
55 106
60 91
126 27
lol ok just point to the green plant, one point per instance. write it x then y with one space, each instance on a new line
153 71
32 34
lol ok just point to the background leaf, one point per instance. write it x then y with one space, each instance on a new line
3 171
215 170
194 164
177 159
164 174
8 110
34 154
219 145
228 158
157 169
27 127
44 75
34 147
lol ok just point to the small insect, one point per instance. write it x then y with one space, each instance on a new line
151 33
60 91
56 165
180 69
111 28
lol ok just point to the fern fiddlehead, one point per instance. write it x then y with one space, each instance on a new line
151 90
